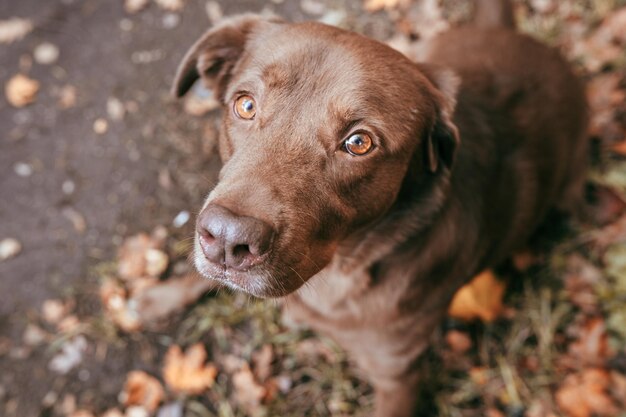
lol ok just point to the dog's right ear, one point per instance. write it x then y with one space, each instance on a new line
443 139
214 55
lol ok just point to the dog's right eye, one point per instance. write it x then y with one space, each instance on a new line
245 107
358 144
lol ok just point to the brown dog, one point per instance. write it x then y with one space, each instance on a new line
380 183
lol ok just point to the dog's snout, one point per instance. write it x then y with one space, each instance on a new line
238 242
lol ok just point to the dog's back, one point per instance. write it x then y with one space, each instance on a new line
520 101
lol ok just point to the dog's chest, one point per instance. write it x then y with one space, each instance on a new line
334 289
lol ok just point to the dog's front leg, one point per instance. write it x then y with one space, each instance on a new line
398 398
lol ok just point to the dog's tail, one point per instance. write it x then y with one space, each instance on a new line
490 14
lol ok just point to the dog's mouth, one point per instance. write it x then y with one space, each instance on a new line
264 280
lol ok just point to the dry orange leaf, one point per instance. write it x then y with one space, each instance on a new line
592 346
187 372
21 90
479 375
81 413
112 412
376 5
480 299
262 360
143 390
248 392
620 148
585 394
459 342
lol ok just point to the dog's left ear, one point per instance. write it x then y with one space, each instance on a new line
443 139
215 54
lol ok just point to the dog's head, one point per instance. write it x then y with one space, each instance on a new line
323 129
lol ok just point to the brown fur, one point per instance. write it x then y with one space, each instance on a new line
472 148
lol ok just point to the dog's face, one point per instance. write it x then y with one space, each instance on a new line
321 130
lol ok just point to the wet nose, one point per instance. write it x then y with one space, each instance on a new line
238 242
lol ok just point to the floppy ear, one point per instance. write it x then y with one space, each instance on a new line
443 138
214 55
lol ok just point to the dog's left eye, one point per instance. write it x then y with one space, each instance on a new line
245 107
358 144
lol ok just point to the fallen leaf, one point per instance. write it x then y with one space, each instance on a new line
522 261
136 411
540 407
171 5
615 261
313 7
610 234
620 148
34 335
214 11
156 262
100 126
66 97
376 5
131 257
127 319
133 6
46 53
592 345
585 394
71 355
53 311
14 29
479 375
113 412
112 294
159 301
68 404
69 324
142 389
459 342
607 204
82 413
141 255
606 43
248 392
21 91
188 373
480 299
606 98
137 286
580 279
115 109
262 361
494 412
77 219
9 248
618 387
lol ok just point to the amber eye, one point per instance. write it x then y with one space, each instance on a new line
358 144
245 107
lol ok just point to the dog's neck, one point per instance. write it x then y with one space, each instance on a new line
415 210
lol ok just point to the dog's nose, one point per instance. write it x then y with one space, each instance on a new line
239 242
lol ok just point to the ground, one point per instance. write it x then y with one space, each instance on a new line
101 172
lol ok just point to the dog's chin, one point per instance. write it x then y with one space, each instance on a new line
257 281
